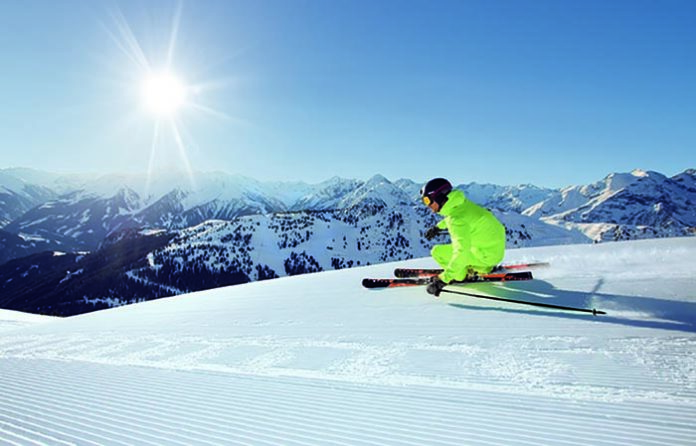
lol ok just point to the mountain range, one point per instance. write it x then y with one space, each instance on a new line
145 239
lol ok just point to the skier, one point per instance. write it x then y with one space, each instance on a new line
478 237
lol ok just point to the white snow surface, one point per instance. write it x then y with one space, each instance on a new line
317 359
10 319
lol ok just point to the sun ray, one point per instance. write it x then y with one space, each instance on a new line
165 98
174 34
128 43
151 163
211 85
191 144
211 111
182 152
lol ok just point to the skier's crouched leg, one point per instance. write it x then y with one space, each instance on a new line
487 258
442 254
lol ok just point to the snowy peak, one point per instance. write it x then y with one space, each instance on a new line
376 192
573 199
507 198
326 195
686 180
640 204
18 195
79 220
105 203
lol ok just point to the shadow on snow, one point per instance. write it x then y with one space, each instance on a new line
648 312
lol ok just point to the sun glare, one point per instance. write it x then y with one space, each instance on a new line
163 94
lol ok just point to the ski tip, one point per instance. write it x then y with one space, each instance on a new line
523 275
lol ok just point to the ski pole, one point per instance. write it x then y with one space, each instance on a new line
523 302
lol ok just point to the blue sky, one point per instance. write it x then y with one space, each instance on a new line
544 92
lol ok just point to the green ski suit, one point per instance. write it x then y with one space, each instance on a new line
478 238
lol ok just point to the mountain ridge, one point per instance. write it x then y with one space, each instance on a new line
227 232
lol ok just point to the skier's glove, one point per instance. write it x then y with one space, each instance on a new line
431 233
435 287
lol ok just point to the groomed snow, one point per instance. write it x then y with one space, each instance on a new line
316 359
10 320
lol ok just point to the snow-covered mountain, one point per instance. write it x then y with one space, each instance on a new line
574 197
507 198
651 200
637 204
13 246
316 359
136 265
625 206
17 195
233 229
79 220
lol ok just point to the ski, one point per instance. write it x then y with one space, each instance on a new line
420 281
403 273
393 283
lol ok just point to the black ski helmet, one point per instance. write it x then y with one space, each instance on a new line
436 190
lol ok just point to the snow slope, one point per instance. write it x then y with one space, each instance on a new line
13 319
316 359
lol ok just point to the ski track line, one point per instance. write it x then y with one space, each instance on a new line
469 378
255 398
187 439
426 390
236 397
42 416
586 423
43 424
566 427
8 393
251 435
29 432
4 438
565 424
637 381
272 420
170 344
349 433
98 390
109 415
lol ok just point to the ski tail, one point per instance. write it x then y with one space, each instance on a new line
502 277
393 283
416 272
420 281
516 266
429 272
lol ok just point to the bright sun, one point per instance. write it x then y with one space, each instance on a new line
163 94
160 93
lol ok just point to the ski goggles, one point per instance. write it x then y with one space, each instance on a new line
426 198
